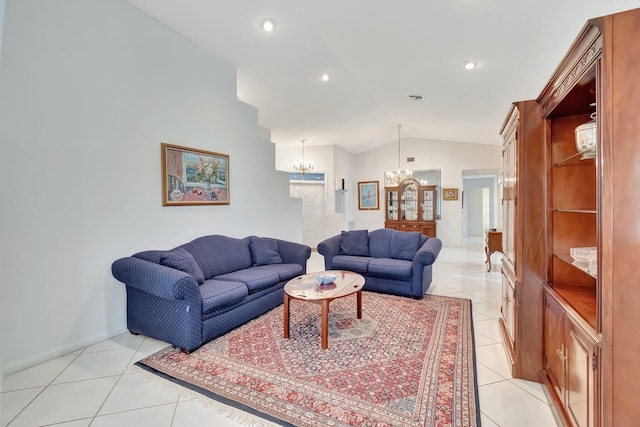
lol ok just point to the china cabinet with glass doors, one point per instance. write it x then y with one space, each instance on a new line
411 207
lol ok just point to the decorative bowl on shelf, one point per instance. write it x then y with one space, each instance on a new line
325 278
587 139
586 255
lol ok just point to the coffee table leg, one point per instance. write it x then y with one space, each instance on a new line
286 315
325 324
359 303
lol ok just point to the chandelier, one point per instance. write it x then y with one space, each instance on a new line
395 178
302 167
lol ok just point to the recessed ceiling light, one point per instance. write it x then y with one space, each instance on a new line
470 64
268 24
325 77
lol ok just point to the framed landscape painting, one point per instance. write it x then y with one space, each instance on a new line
368 195
194 177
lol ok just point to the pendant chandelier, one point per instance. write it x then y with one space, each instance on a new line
395 178
301 166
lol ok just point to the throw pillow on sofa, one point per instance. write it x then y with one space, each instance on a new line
355 242
264 251
405 244
182 260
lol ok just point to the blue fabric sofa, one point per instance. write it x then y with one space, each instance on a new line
191 294
392 262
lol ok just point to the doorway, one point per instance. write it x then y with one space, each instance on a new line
311 189
480 199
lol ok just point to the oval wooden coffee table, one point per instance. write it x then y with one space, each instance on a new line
306 288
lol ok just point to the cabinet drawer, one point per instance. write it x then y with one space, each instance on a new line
410 227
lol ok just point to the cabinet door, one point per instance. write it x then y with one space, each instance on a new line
554 349
392 205
409 205
508 197
581 373
508 306
428 205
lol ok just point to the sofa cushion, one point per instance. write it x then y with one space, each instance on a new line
216 294
358 264
153 256
284 271
182 260
380 242
218 254
404 245
387 267
254 278
264 251
355 242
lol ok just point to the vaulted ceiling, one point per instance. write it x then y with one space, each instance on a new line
377 54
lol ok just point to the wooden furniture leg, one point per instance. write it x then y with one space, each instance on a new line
359 303
325 324
488 261
286 315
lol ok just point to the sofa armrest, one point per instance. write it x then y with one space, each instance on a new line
293 253
156 279
428 252
329 248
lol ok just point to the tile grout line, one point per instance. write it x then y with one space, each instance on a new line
45 387
116 383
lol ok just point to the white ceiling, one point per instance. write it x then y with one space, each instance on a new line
378 52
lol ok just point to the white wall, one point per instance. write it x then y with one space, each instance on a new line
451 157
2 5
88 90
344 168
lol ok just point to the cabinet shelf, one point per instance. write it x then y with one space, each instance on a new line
583 211
584 267
565 162
580 301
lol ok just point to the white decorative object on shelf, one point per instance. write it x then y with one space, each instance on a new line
586 255
587 138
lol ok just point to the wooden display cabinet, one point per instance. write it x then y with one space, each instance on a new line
523 240
411 207
592 311
572 222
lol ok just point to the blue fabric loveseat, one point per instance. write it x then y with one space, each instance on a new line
191 294
392 262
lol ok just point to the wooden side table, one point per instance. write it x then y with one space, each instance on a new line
493 244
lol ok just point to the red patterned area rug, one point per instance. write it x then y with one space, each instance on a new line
406 363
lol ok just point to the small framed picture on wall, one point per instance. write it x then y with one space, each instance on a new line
368 195
449 194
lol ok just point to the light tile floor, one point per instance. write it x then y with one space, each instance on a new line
97 386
